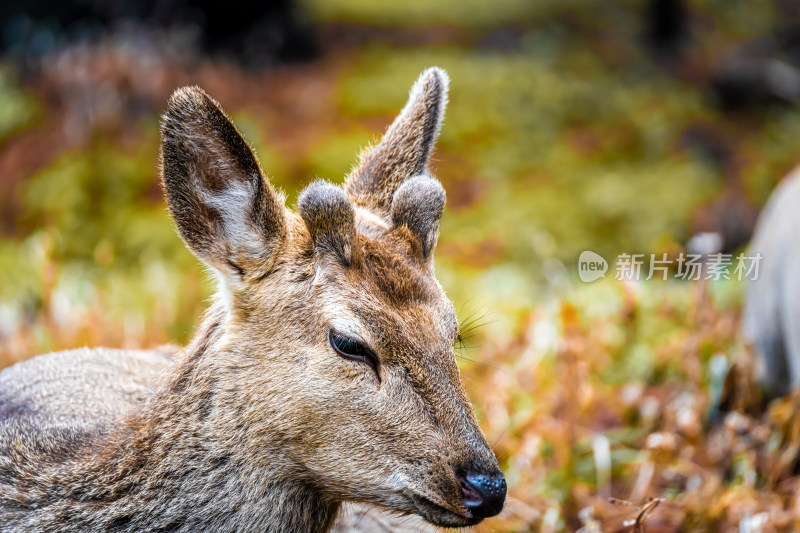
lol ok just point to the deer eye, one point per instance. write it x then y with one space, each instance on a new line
355 350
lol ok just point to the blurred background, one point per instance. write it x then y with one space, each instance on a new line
620 127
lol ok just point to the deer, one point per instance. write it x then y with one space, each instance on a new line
771 318
323 372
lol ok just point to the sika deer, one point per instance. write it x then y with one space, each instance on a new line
771 320
322 373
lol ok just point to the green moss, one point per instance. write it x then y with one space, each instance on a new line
18 109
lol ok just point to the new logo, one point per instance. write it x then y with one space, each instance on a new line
591 266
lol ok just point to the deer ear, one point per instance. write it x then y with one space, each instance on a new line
329 217
404 149
225 209
418 204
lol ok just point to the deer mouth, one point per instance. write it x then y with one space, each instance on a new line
441 516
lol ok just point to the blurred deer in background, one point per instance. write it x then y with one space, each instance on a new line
322 373
772 309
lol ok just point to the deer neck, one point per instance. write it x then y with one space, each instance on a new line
186 457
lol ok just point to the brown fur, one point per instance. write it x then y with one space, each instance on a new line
258 425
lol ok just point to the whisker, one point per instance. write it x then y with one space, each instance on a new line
498 439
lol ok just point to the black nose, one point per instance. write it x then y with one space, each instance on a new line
484 495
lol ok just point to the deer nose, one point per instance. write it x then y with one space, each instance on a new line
484 495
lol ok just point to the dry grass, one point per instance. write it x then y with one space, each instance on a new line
585 441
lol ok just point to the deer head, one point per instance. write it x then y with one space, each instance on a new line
336 356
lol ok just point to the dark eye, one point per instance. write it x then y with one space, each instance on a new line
355 350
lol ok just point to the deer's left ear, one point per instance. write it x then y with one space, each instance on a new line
225 209
404 150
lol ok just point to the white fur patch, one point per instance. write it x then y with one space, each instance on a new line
350 327
397 481
234 203
224 289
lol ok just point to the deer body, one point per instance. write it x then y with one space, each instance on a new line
323 372
165 459
772 308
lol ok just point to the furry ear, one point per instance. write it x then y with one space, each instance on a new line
418 204
330 219
225 209
404 149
